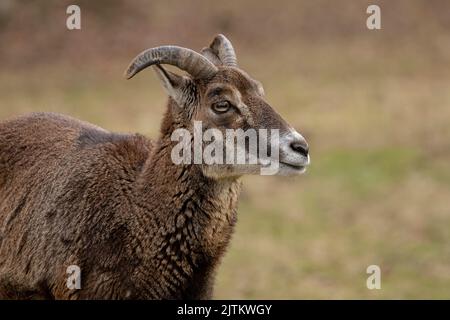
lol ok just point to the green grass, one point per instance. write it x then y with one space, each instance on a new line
364 172
314 237
377 191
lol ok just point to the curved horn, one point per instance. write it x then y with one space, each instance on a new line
188 60
223 48
211 56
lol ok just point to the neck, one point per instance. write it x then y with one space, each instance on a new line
188 218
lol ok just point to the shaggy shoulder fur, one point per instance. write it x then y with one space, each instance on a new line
115 205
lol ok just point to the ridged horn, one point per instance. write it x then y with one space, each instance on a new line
211 56
223 48
188 60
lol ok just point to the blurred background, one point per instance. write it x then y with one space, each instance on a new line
374 106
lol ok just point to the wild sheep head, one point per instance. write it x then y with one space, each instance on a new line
220 96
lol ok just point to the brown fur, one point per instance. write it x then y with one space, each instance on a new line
137 225
143 236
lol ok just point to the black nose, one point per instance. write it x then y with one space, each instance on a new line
300 147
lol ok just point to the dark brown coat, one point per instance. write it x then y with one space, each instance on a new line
74 194
116 205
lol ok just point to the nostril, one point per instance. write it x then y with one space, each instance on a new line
300 147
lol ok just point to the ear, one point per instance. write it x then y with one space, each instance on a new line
179 88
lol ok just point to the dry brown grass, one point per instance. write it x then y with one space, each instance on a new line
375 107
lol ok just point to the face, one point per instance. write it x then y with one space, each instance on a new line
235 131
233 100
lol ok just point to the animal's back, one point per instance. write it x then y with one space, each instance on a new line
56 174
50 142
36 138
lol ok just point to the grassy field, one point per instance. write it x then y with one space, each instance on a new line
376 112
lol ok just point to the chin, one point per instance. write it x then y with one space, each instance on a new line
236 171
231 171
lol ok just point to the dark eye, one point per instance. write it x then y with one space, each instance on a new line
221 107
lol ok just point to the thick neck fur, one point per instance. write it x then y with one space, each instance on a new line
188 219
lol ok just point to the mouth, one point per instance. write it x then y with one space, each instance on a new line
286 167
295 167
